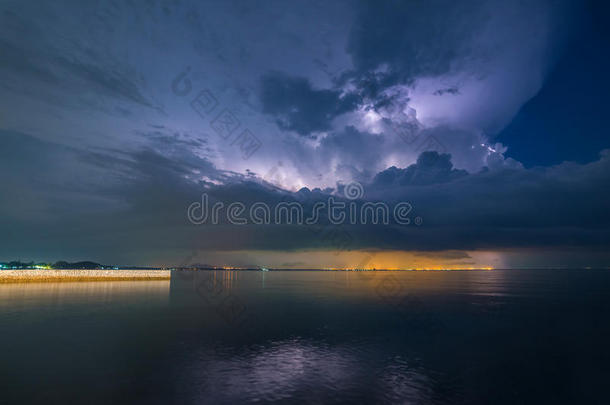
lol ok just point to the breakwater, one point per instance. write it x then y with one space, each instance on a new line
25 276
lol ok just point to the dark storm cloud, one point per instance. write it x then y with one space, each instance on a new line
123 205
461 68
36 54
35 167
91 72
562 206
409 39
298 107
18 60
390 43
105 80
353 149
449 90
120 191
65 201
430 168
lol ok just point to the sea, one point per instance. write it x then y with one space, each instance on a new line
313 337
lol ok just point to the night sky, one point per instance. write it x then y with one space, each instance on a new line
488 116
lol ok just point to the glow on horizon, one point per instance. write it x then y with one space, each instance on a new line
356 259
409 269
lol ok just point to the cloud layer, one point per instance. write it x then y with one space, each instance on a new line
403 97
122 205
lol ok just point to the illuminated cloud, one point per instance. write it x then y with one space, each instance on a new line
95 136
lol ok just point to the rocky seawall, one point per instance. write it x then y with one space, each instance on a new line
25 276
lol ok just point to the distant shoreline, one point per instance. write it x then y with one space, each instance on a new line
36 276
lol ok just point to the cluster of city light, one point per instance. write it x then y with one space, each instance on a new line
40 266
4 266
409 269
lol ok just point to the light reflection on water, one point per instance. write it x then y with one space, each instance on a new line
297 368
23 296
272 372
316 337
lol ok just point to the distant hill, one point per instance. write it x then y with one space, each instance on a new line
86 265
60 265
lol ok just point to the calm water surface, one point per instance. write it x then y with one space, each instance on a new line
216 337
